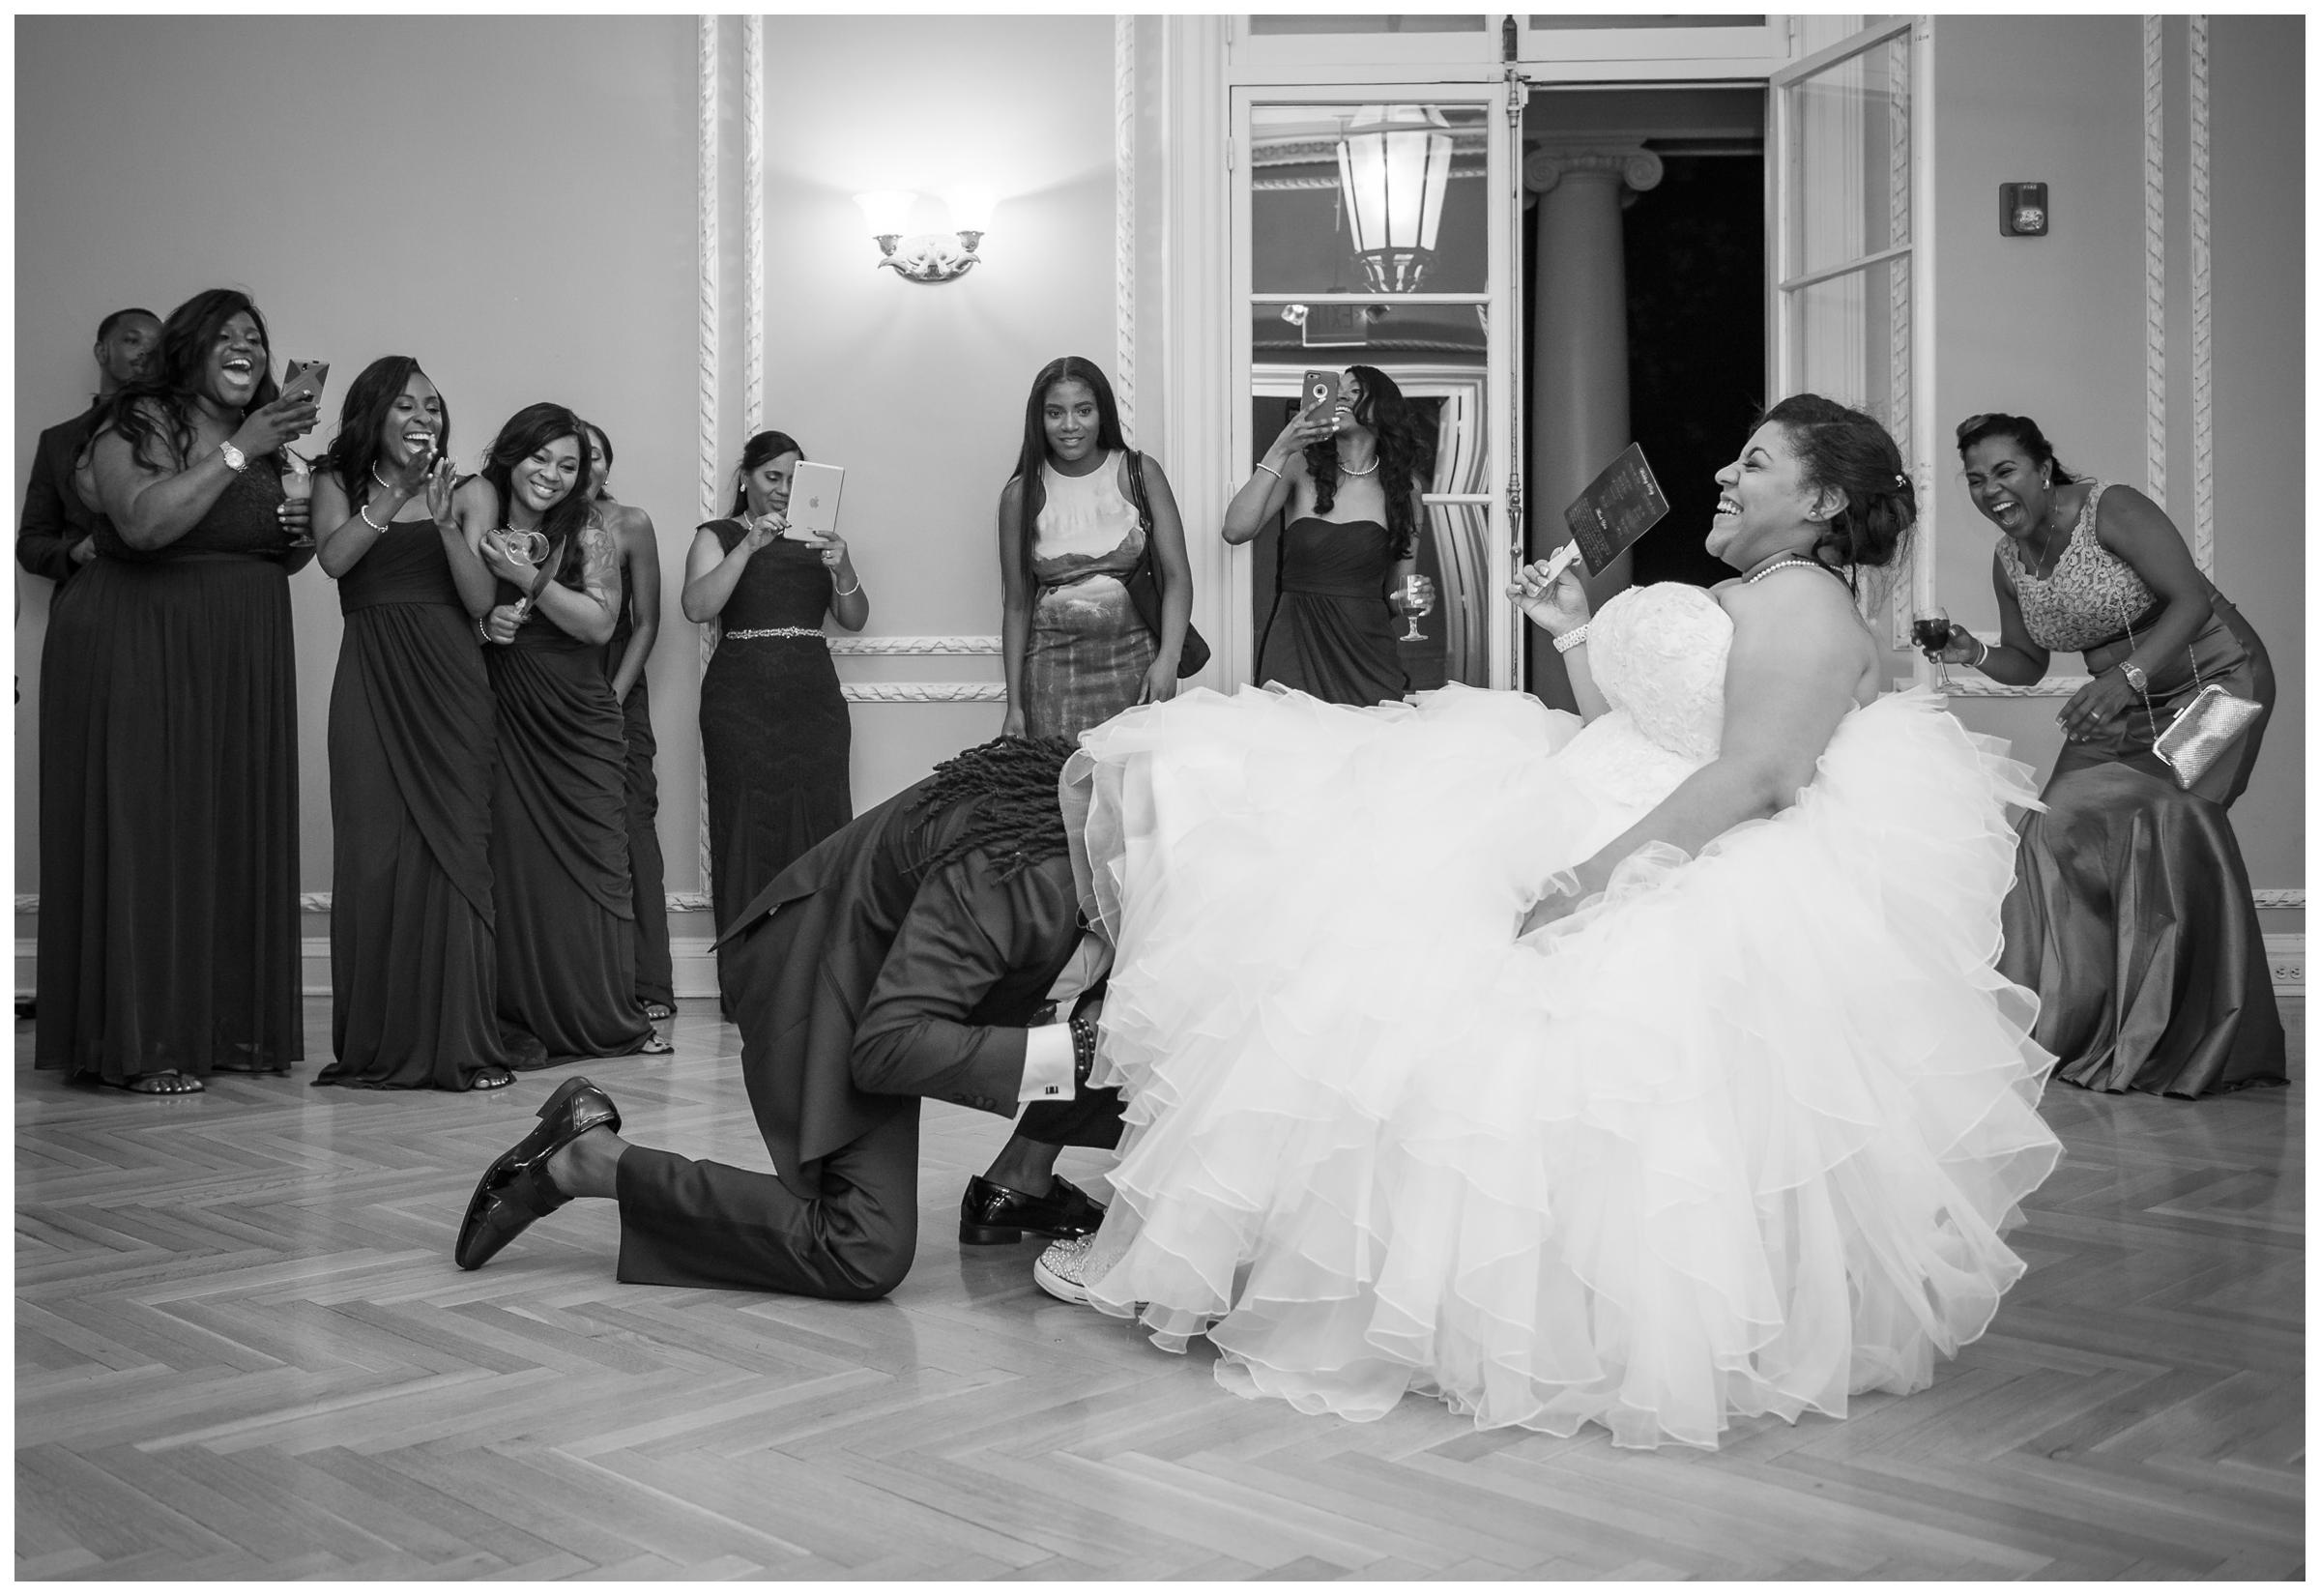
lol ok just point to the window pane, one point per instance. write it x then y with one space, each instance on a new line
1376 198
1376 334
1852 343
1849 169
1412 23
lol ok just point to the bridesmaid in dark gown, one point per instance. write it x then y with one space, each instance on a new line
633 636
2131 917
1348 483
567 929
775 734
413 982
168 929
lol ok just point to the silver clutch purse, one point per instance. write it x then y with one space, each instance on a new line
2202 730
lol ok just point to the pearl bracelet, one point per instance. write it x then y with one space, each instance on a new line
846 592
1572 639
1262 466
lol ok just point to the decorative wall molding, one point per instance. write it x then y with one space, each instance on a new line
753 223
2279 897
925 692
1124 218
877 645
2203 341
706 206
2155 266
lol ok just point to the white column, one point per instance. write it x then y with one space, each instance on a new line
1577 404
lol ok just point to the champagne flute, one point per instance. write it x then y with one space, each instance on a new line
298 483
1416 593
1929 629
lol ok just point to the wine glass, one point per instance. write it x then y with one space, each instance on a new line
1416 593
1930 630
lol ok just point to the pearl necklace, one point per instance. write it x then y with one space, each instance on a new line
1754 578
1370 469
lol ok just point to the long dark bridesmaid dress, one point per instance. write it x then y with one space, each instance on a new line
655 972
413 982
1331 632
566 930
168 930
777 739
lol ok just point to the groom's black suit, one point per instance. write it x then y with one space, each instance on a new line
862 982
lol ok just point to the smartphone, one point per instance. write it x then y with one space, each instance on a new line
306 377
814 489
1321 391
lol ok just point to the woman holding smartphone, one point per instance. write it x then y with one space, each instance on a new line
168 937
559 827
1080 514
1345 473
413 983
776 739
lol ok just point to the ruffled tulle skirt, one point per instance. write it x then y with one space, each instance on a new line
1741 1136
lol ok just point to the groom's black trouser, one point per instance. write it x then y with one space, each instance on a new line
690 1222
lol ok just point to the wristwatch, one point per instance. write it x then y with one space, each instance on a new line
235 461
2134 675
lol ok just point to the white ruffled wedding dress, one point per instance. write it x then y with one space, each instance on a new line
1739 1137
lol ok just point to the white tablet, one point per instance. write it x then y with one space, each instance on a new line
814 490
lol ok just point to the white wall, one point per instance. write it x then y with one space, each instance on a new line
2055 328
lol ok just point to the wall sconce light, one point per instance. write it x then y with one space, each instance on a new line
1393 166
927 257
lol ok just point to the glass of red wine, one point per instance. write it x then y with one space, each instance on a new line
1930 630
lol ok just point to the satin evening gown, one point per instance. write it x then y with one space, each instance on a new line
168 931
1331 632
1741 1136
2131 916
412 978
776 736
560 845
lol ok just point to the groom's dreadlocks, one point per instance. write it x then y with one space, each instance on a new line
1011 782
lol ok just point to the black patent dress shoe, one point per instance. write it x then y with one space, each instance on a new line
991 1214
515 1190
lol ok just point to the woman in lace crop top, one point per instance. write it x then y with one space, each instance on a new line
2179 1000
1073 526
2099 568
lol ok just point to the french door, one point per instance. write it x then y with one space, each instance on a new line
1378 224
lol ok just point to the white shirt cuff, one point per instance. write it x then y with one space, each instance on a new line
1048 1066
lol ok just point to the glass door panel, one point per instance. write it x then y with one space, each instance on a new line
1371 234
1848 262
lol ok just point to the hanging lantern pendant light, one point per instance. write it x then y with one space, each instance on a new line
1393 167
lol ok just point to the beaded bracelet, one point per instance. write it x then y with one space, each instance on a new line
1083 1049
1262 466
1573 638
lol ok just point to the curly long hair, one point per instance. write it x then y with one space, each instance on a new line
363 416
1012 783
522 435
1033 454
158 413
1404 456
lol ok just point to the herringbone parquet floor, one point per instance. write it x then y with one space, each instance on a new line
242 1350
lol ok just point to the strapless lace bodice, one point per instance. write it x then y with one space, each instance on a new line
1658 653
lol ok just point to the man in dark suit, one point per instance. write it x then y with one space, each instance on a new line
54 538
932 949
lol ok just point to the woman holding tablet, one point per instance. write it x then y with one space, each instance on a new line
775 735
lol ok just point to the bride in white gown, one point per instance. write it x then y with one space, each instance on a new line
1734 1125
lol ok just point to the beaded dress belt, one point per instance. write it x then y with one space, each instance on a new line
748 632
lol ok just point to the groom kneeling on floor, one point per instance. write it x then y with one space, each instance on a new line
932 949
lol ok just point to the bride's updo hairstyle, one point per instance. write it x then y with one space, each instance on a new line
1848 449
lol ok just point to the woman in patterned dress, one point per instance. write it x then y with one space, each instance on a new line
1074 522
2131 916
